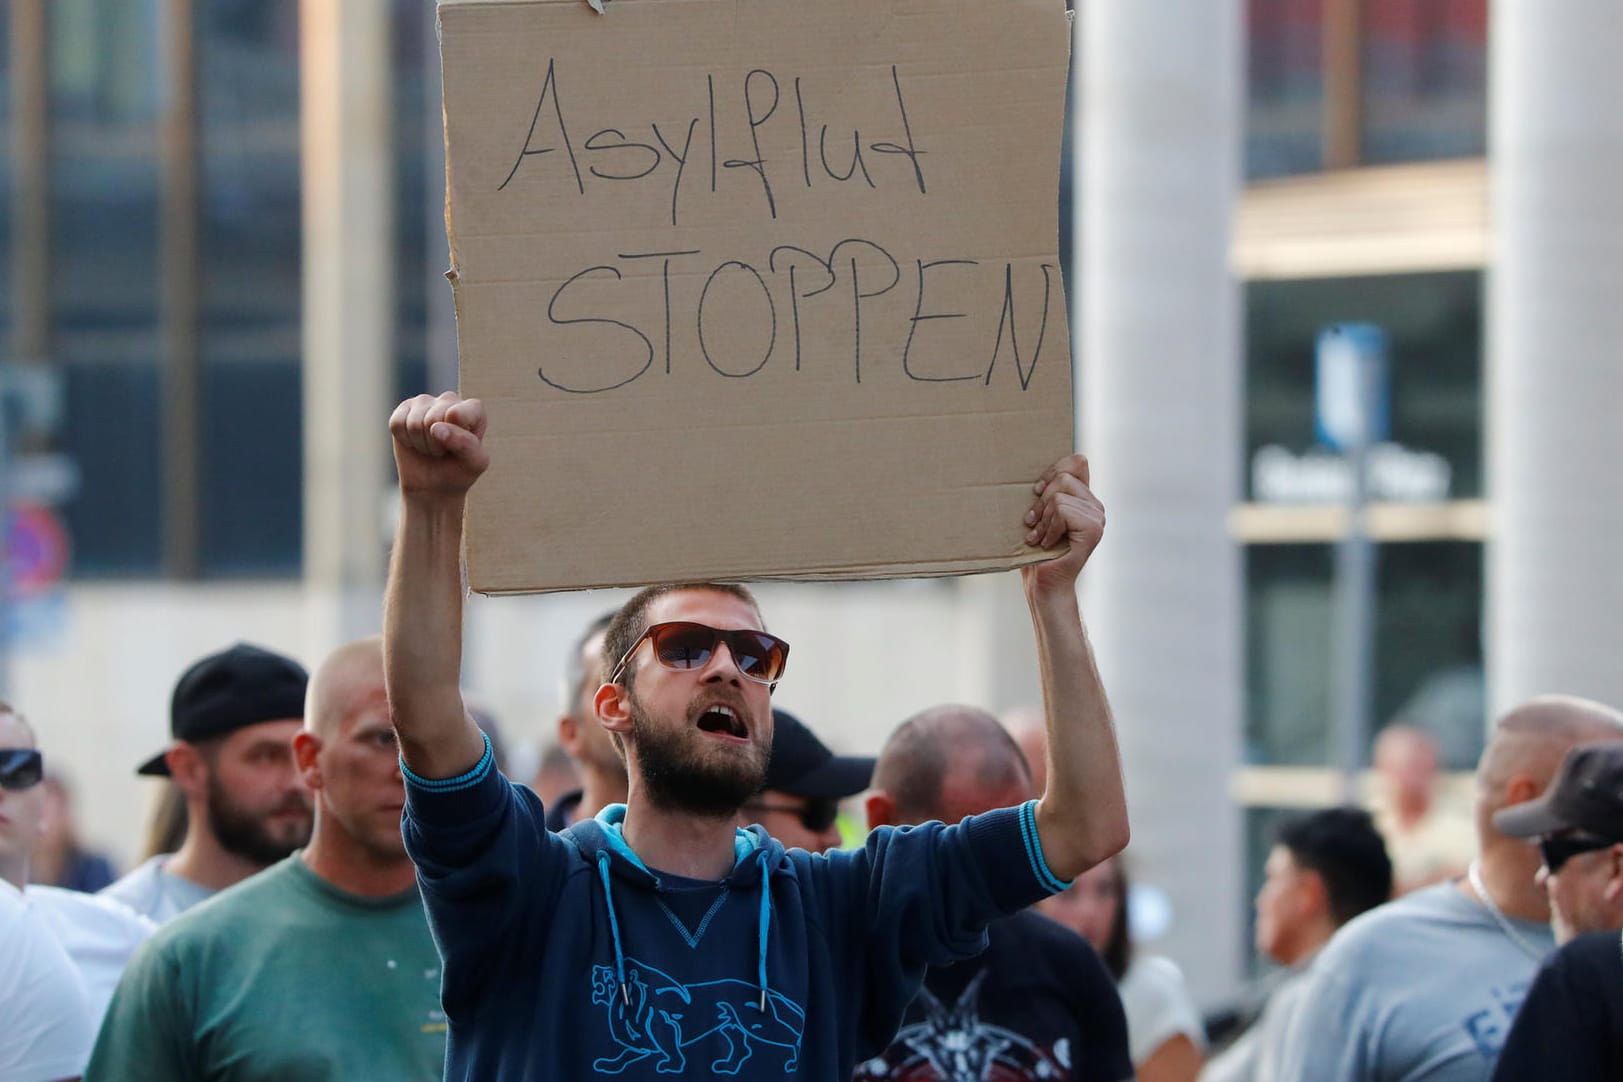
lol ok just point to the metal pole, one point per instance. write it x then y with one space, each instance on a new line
1355 602
179 267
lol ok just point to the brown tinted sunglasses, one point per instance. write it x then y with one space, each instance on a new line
684 645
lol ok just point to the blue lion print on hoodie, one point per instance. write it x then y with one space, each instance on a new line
565 955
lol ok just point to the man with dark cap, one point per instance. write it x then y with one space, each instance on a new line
319 969
1571 1023
232 718
805 782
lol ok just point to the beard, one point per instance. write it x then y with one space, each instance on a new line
248 833
680 777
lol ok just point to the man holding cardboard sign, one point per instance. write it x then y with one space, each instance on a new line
659 938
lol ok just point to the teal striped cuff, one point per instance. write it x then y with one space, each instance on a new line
461 781
1034 849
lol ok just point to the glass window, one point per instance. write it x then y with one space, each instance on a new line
250 483
1434 328
1428 649
1284 87
104 283
1424 79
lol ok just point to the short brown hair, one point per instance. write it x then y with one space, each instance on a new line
630 622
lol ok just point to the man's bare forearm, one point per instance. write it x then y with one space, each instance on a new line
1082 818
422 640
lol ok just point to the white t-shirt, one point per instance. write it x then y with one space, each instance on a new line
44 1013
98 933
1158 1007
154 893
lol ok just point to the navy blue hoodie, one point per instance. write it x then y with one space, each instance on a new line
566 957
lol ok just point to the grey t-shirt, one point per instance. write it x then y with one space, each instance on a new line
154 893
1424 988
1254 1057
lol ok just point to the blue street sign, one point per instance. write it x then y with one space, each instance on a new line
1351 394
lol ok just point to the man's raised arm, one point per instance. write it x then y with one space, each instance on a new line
439 452
1082 817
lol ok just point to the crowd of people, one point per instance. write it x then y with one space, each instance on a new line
344 884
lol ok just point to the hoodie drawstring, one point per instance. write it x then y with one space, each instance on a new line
765 862
766 920
614 927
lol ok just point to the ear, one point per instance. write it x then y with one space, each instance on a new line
1614 880
613 705
881 809
568 733
1314 894
1521 789
306 757
187 767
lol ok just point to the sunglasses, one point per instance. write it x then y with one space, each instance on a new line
816 815
1557 849
20 768
684 645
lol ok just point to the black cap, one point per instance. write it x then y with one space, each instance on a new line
802 765
1587 795
231 690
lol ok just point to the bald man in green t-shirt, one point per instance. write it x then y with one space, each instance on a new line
320 967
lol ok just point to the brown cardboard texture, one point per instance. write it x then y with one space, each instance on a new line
756 289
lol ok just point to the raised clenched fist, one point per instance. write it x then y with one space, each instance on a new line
439 444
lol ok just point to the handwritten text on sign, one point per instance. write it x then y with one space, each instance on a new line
772 295
756 289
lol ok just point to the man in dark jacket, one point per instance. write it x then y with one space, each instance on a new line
1571 1023
1038 1003
660 938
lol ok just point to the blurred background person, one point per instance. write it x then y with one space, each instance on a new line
799 803
1425 988
1325 869
1428 839
320 968
166 823
96 935
598 768
1571 1024
1038 1002
60 860
48 1028
555 775
1026 725
1166 1037
233 716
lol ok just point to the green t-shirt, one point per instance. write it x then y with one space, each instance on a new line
283 976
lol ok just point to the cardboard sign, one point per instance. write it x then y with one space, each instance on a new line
756 289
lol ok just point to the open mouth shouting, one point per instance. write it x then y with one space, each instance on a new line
723 722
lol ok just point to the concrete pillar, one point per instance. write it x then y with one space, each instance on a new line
1159 393
1555 351
349 289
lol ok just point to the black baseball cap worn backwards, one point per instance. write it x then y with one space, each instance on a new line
803 766
231 690
1587 795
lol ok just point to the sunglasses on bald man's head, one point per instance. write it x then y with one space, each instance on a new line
20 768
816 815
1557 849
682 644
